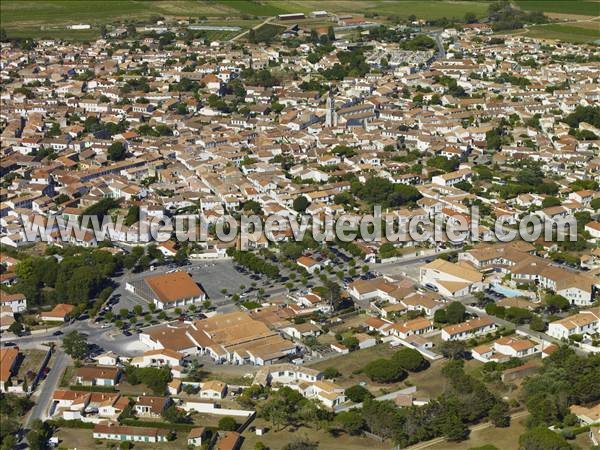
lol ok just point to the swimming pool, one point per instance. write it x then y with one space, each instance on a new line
507 292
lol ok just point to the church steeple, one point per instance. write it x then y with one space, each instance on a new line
330 116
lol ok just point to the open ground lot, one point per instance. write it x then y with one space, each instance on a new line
31 362
277 439
429 382
82 440
504 438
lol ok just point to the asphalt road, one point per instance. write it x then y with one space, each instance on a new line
44 397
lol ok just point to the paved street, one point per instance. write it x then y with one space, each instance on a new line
44 396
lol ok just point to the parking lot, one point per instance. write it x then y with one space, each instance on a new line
212 276
220 279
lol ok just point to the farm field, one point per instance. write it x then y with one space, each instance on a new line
576 33
580 7
49 18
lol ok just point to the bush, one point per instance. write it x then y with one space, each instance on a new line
80 387
358 394
227 424
331 372
62 423
161 425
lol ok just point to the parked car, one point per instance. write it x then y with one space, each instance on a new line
431 287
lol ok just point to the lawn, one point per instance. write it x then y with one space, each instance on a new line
567 33
277 439
581 7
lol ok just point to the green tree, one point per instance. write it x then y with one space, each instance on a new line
537 324
116 151
331 372
174 415
470 17
75 345
454 428
227 424
556 303
499 414
410 359
551 201
300 203
350 421
181 256
16 327
351 343
541 438
384 371
455 313
358 393
133 215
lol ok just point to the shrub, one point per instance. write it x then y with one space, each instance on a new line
227 424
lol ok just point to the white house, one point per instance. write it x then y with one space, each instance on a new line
213 389
16 302
586 321
467 330
117 432
451 279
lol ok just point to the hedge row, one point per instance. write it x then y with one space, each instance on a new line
161 425
79 387
62 423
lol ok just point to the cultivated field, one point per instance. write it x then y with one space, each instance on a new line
577 32
580 7
49 18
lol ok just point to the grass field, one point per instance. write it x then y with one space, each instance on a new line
587 32
581 7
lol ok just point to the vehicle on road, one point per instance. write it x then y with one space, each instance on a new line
431 287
